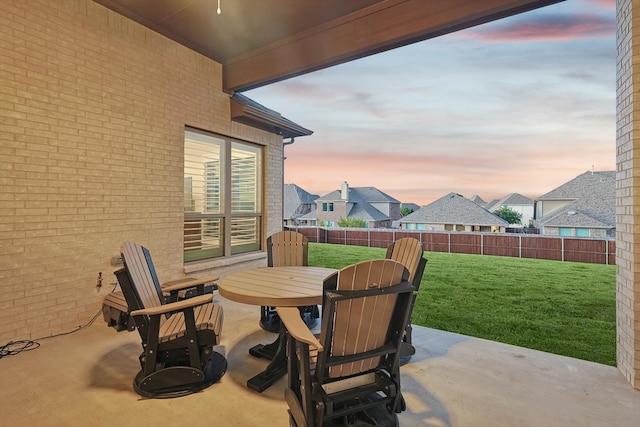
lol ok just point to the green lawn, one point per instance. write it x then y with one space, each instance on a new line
558 307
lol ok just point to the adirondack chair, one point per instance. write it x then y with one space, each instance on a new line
351 372
177 337
409 252
287 249
116 312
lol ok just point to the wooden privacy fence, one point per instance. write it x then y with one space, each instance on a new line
597 251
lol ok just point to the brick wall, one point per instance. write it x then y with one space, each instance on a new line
628 193
92 115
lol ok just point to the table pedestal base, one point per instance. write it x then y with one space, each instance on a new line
265 351
276 369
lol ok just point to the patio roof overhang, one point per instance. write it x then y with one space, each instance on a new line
260 42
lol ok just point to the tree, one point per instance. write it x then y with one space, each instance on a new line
404 211
352 222
508 214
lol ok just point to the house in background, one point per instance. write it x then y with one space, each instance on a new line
298 203
454 212
411 206
477 200
518 203
375 207
582 207
489 205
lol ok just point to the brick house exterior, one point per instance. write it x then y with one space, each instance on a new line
93 109
582 207
299 204
375 207
453 212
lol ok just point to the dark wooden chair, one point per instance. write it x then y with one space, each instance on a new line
351 372
409 252
177 337
116 312
287 249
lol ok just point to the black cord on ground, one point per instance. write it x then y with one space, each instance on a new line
15 347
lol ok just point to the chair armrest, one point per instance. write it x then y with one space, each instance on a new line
290 318
190 283
174 306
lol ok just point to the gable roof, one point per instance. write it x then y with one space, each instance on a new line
583 185
454 209
412 206
593 204
514 199
491 204
367 194
569 217
313 215
359 203
367 212
477 200
293 197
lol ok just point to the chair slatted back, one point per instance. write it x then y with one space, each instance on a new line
137 260
409 252
287 249
361 324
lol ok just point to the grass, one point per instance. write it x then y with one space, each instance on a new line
558 307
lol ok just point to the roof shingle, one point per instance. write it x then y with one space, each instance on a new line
454 209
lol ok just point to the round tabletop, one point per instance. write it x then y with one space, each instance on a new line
276 286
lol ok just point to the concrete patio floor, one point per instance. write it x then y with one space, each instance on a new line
84 379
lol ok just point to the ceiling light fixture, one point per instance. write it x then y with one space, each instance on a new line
218 11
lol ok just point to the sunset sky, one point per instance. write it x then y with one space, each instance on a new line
519 105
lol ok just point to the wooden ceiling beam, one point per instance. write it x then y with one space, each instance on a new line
383 26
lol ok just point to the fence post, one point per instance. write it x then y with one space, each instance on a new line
562 248
449 241
519 246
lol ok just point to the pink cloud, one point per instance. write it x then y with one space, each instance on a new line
547 28
411 177
605 4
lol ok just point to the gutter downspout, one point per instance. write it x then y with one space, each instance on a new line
284 144
289 142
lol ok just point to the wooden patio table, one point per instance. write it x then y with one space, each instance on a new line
275 287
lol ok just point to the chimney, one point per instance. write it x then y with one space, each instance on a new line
345 191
